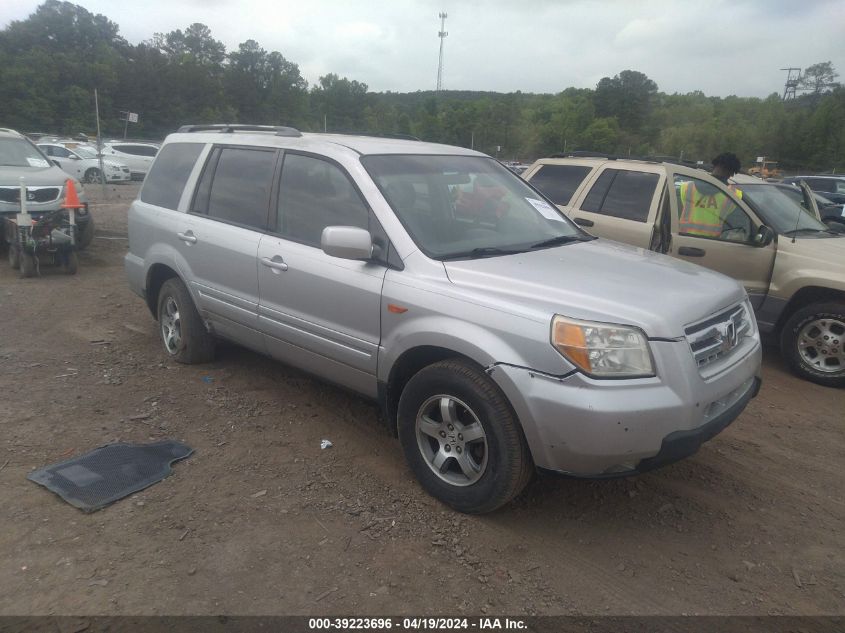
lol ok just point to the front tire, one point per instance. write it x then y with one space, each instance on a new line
182 331
813 343
461 437
92 176
14 256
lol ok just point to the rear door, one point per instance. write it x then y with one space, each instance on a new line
319 312
730 250
228 217
621 202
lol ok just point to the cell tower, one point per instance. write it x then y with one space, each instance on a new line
442 35
792 82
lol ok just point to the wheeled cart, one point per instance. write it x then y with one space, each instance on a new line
51 237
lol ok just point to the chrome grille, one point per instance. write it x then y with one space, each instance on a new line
718 336
33 194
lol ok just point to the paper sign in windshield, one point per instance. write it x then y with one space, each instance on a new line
545 209
37 162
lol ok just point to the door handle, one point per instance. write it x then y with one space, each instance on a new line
188 237
691 251
583 222
276 264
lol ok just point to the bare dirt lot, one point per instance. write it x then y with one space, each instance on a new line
260 520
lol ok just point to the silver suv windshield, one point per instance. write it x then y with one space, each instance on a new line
16 152
779 210
467 206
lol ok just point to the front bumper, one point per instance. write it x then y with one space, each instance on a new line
118 176
584 427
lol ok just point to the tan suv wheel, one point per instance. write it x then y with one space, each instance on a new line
813 343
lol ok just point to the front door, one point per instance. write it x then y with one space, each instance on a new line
318 312
712 227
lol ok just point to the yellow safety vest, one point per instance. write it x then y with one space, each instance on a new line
702 214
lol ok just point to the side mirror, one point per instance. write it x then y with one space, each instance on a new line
74 157
764 236
347 242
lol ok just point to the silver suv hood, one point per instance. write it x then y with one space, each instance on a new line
599 280
35 176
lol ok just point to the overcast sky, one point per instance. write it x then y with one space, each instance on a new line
719 47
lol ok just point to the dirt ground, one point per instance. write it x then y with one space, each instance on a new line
260 520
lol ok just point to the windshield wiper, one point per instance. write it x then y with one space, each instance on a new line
483 251
562 239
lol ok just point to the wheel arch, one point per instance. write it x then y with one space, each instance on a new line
807 296
403 369
156 276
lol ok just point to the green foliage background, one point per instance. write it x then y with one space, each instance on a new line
51 62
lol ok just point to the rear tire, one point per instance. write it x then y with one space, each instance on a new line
70 263
86 235
461 438
182 331
27 265
813 343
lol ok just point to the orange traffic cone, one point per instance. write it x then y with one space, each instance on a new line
71 199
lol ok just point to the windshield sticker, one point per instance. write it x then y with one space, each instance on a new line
545 209
37 162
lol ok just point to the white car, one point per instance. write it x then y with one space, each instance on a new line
80 161
139 156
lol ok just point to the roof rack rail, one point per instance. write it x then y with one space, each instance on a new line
399 137
584 154
229 128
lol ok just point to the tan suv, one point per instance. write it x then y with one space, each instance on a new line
792 266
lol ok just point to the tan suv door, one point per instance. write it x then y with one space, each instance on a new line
733 251
620 202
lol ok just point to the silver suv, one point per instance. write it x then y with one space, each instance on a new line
497 336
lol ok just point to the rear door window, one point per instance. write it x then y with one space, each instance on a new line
235 186
166 180
622 194
559 182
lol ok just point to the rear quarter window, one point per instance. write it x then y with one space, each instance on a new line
170 171
559 182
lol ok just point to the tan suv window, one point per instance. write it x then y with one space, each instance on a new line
559 182
706 211
621 193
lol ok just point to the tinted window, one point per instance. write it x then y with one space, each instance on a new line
166 180
559 182
240 190
60 152
622 194
315 194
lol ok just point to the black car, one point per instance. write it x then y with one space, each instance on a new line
831 187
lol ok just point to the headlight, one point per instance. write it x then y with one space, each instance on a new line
114 167
603 350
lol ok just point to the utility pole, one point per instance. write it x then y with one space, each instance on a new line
442 35
792 82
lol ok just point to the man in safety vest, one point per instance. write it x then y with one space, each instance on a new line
705 210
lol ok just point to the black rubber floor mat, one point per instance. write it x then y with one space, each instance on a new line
94 480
